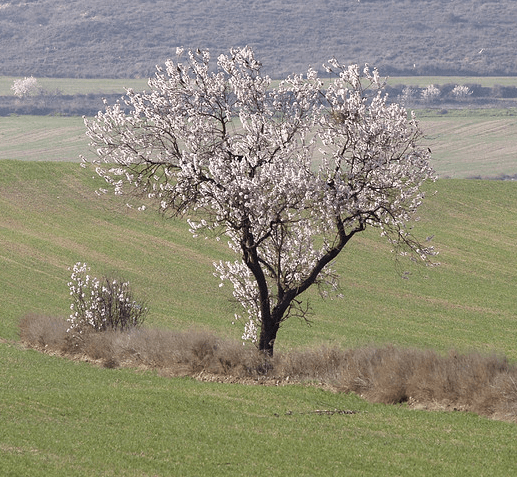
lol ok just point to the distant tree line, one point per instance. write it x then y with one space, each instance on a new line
478 91
55 103
453 94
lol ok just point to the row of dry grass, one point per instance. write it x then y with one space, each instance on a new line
486 385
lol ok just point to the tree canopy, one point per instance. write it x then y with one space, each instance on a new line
289 172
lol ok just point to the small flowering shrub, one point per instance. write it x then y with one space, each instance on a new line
408 96
101 304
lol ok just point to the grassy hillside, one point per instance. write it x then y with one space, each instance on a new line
63 418
128 38
468 145
51 218
42 138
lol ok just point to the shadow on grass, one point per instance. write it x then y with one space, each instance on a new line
486 385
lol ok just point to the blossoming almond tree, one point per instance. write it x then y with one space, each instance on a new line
289 173
26 87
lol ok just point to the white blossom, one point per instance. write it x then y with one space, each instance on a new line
100 304
288 173
461 91
25 87
431 93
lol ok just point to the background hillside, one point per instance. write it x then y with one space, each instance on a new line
127 38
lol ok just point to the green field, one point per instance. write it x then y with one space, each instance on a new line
59 417
108 86
42 138
481 145
78 86
465 143
51 219
64 418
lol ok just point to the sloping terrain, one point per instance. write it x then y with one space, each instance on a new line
127 38
51 219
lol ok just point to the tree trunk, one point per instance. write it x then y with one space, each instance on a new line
271 318
268 332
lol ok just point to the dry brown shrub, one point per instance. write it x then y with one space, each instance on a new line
505 391
486 385
150 347
378 374
321 364
192 351
388 374
40 331
99 346
463 380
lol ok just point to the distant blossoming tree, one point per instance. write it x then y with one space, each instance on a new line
26 87
407 97
461 91
289 173
430 94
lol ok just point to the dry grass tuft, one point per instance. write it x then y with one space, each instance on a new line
423 379
39 331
